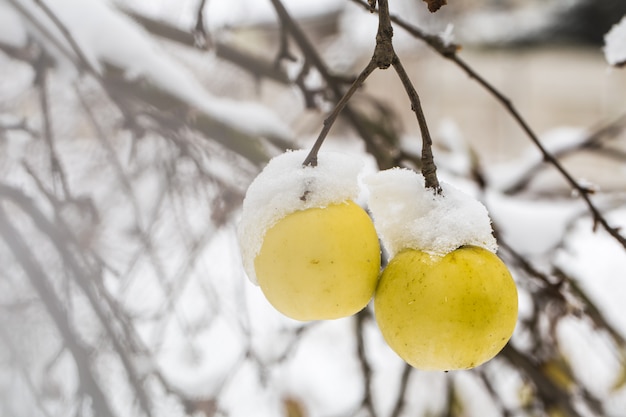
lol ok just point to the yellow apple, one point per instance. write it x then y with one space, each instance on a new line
446 312
320 263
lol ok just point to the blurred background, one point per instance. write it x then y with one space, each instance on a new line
129 132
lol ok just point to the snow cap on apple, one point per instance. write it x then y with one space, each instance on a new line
286 186
407 215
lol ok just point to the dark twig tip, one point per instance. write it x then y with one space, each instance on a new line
434 5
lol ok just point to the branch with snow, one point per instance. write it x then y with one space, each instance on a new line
72 32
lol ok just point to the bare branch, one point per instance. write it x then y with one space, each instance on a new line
55 163
450 52
398 407
66 34
82 274
257 66
40 282
311 159
429 169
366 370
550 393
201 37
385 154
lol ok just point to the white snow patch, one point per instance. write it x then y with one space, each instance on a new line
615 43
251 12
12 30
474 399
107 36
598 262
447 35
324 372
532 227
245 395
511 173
285 186
386 366
407 215
591 355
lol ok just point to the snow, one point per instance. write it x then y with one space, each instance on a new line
285 186
598 262
129 47
248 12
199 367
506 176
531 226
615 44
503 26
11 29
325 376
407 215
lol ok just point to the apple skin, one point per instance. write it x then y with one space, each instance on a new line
446 312
320 263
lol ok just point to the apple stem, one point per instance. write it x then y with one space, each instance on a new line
311 159
383 57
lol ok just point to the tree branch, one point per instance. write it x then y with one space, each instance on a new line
311 159
366 369
385 155
82 274
429 169
40 282
449 51
201 37
383 57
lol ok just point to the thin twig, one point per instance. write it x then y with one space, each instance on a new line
449 51
259 67
283 46
497 399
201 37
66 34
398 407
112 158
385 154
21 125
548 390
83 275
55 163
384 56
43 29
366 369
591 143
548 157
311 159
40 282
429 169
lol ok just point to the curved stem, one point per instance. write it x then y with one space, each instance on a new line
429 169
311 159
383 57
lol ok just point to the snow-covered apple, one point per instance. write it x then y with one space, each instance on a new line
320 263
305 241
445 301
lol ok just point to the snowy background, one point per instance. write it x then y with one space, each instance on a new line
128 139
